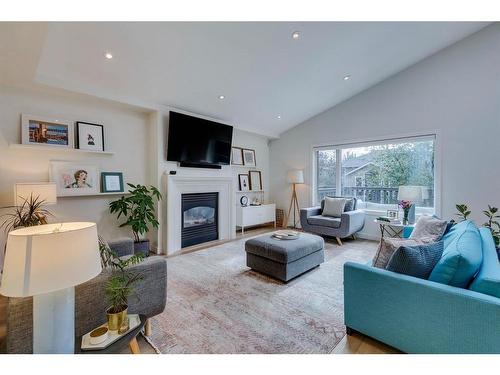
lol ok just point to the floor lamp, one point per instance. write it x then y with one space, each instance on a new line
294 177
46 262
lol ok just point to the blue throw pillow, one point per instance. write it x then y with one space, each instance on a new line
462 256
487 280
417 260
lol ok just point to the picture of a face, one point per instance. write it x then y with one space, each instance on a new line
80 180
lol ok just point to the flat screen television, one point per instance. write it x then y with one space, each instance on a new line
195 142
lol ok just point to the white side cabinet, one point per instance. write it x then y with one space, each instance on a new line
255 215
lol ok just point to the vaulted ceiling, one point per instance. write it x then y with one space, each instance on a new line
270 81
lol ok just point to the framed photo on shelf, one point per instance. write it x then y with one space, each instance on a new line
112 182
255 180
392 214
244 182
249 157
37 130
74 179
89 136
236 156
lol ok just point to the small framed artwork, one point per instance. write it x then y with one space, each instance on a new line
255 180
392 214
244 182
236 156
74 179
249 157
89 136
37 130
112 182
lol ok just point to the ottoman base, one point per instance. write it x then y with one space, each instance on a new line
282 271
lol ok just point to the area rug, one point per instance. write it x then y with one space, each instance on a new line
215 304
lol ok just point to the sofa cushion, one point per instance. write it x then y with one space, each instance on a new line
417 260
350 203
462 256
429 227
487 280
325 221
284 251
333 207
388 246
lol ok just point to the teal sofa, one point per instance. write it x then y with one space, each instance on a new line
422 316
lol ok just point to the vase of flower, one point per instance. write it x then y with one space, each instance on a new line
406 206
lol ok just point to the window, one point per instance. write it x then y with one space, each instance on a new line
373 172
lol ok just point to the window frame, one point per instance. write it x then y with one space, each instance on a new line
339 146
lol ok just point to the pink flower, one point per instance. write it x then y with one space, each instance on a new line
405 205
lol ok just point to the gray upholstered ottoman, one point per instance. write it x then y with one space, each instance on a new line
284 259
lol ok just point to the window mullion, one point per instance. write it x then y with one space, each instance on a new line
338 174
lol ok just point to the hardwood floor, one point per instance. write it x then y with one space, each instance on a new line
354 344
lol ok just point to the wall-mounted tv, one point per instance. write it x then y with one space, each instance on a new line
195 142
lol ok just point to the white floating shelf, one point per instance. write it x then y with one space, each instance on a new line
92 195
250 191
55 148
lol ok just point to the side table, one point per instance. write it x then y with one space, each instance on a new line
388 229
128 340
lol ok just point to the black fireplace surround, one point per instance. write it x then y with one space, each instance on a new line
199 218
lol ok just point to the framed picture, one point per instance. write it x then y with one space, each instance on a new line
392 214
89 136
112 182
37 130
249 157
244 182
236 156
255 180
74 179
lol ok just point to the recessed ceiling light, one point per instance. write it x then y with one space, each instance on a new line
347 78
221 97
279 117
296 35
108 55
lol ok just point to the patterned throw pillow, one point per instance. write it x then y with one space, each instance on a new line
417 260
334 207
388 246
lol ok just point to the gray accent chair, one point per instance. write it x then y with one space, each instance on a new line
91 303
351 221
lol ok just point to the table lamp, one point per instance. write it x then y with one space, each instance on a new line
294 177
46 262
412 194
43 191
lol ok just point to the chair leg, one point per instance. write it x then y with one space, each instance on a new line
147 328
354 236
338 241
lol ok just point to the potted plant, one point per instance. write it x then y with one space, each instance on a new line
29 214
119 286
138 208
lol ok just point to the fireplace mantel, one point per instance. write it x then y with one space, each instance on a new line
178 185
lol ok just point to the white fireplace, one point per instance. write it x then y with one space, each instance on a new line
178 185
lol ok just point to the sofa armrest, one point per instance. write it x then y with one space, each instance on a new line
122 246
419 316
352 221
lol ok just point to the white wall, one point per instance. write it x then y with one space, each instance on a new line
126 134
240 138
456 92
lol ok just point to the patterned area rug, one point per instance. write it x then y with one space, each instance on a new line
215 304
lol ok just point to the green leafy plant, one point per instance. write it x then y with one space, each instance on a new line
120 285
138 208
29 214
493 224
463 211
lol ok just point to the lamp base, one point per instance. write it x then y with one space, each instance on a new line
54 322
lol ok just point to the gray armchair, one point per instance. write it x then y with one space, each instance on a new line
351 221
91 302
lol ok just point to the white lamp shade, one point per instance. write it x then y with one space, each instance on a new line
47 258
295 177
410 193
46 191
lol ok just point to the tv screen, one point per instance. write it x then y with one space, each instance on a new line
193 140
